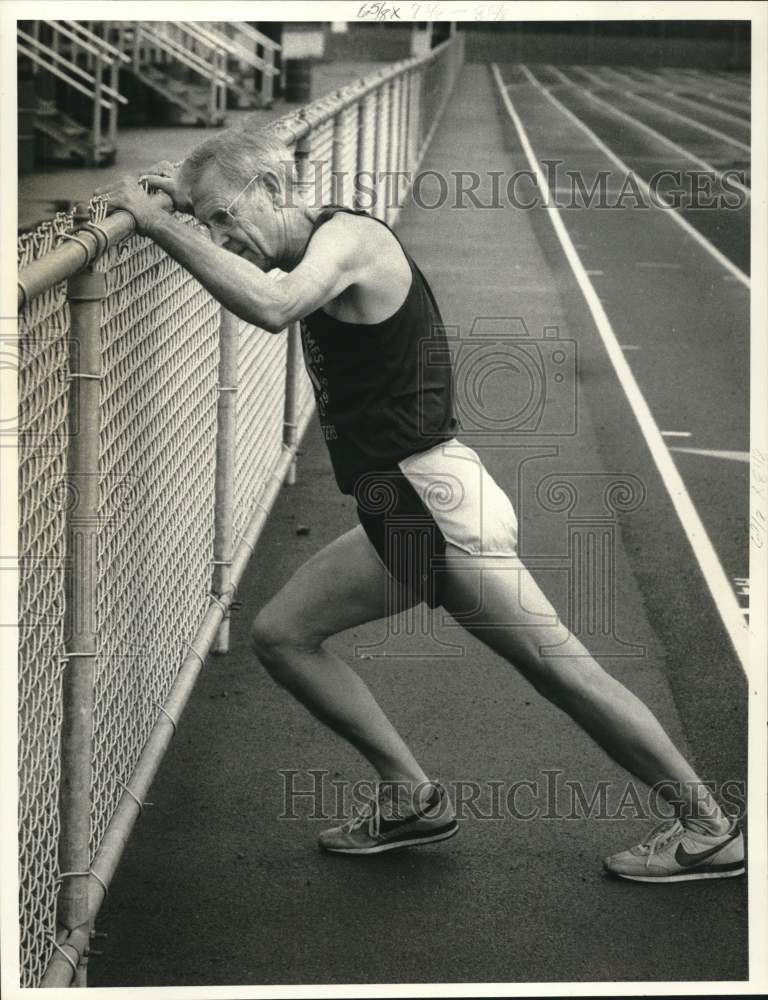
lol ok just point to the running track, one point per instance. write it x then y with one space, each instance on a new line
677 309
213 889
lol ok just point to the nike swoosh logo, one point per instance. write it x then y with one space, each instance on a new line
686 860
388 824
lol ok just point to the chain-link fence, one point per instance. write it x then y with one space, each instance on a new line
156 469
154 432
43 361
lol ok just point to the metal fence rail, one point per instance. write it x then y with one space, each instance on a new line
155 432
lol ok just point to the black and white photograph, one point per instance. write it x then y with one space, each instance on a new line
384 498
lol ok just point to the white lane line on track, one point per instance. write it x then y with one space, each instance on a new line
582 70
654 83
691 121
743 85
717 112
729 456
653 199
704 552
636 123
694 86
676 434
738 105
694 77
665 264
624 77
558 72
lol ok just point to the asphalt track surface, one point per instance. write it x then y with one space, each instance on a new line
727 227
674 308
215 889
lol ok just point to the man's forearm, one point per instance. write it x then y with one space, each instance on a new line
239 285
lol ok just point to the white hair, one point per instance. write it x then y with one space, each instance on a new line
239 155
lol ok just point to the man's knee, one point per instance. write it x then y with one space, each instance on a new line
568 682
270 634
274 637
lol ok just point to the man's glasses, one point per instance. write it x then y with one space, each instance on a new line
222 219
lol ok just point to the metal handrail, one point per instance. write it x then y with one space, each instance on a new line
69 258
113 50
325 108
72 67
36 58
56 25
184 55
204 35
252 58
51 53
255 35
234 48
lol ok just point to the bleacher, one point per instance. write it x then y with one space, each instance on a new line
75 77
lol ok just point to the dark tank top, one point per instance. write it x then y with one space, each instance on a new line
384 390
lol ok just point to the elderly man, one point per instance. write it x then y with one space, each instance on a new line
387 419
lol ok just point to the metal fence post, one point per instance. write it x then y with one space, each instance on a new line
389 159
293 365
136 54
366 149
338 180
226 439
85 292
395 139
223 87
406 139
114 83
213 98
375 155
97 98
267 78
294 359
418 113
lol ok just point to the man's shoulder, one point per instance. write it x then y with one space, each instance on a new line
371 256
357 234
339 227
351 221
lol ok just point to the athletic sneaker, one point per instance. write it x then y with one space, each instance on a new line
378 826
676 853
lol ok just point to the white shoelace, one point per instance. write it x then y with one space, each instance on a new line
660 836
369 813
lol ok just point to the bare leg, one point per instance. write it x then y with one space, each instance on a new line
507 615
341 586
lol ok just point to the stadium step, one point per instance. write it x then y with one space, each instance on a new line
72 141
189 100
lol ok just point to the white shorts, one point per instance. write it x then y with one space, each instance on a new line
433 498
471 510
